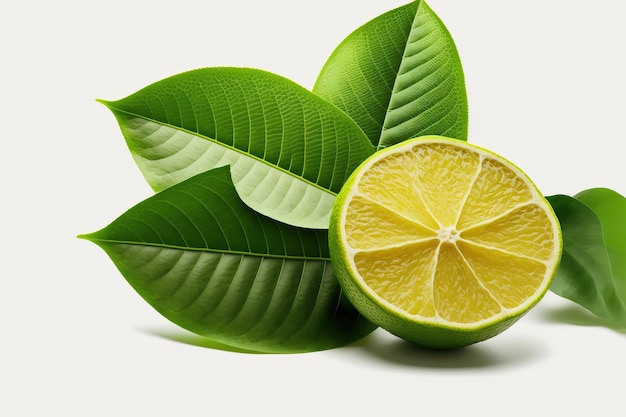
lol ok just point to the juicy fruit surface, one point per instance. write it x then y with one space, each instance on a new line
444 233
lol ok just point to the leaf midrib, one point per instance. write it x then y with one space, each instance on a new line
222 251
217 142
397 77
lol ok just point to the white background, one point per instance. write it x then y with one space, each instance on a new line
546 89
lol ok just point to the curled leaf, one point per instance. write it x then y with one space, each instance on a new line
592 272
289 150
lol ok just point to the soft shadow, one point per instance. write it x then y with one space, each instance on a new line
578 316
488 354
387 348
191 339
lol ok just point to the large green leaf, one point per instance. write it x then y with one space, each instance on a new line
212 265
290 151
399 76
592 272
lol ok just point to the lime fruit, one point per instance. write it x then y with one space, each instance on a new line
443 243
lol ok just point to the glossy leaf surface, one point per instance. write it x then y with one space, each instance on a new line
592 272
212 265
399 76
289 151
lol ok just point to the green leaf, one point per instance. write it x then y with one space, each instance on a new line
399 76
592 272
289 151
212 265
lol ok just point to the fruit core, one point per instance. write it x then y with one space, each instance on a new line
448 234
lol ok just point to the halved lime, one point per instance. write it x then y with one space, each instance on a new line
443 243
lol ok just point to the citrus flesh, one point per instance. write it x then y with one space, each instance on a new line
443 243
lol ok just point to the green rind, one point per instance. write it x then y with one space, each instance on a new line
208 263
289 150
399 76
426 334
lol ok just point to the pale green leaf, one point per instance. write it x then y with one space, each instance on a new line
212 265
289 150
592 271
399 76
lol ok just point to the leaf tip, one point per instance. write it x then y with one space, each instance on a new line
85 236
106 103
